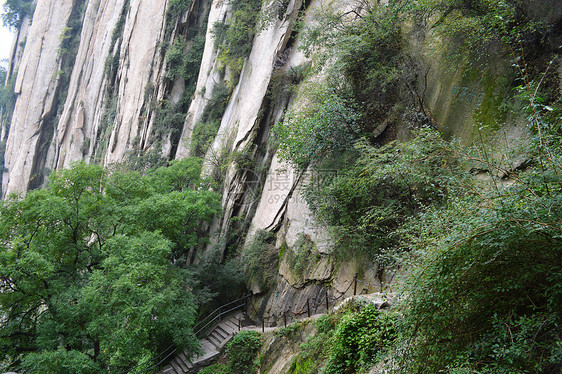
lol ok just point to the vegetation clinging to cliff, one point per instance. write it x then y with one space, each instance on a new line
234 38
482 293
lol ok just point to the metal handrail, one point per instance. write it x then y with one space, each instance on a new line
195 334
202 325
211 317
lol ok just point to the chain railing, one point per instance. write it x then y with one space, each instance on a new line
322 302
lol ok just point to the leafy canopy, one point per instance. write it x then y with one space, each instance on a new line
87 285
15 11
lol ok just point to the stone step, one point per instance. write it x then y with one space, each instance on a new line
185 361
182 364
219 332
231 323
214 341
206 345
224 331
168 369
176 367
216 337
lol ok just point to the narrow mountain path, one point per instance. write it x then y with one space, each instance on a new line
224 331
210 347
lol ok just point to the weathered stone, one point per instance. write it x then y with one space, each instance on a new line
142 34
84 106
37 84
209 77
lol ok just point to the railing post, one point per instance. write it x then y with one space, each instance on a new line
262 325
327 301
355 284
308 307
220 313
285 319
239 324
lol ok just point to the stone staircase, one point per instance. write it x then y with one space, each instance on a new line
225 330
210 347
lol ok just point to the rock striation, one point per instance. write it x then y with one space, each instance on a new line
93 83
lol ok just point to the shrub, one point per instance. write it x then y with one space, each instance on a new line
362 52
486 294
183 62
234 40
327 125
366 205
242 351
206 129
360 338
348 341
175 56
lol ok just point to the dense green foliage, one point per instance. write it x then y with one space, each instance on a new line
360 338
15 11
482 290
362 55
183 62
242 352
485 291
347 341
208 126
324 127
367 204
487 295
87 282
234 39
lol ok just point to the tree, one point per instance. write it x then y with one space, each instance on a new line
86 281
15 11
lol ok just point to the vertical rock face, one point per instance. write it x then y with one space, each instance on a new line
107 105
240 126
139 52
37 87
83 109
209 76
101 99
99 108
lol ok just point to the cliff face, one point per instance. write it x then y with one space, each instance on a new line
95 83
37 86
